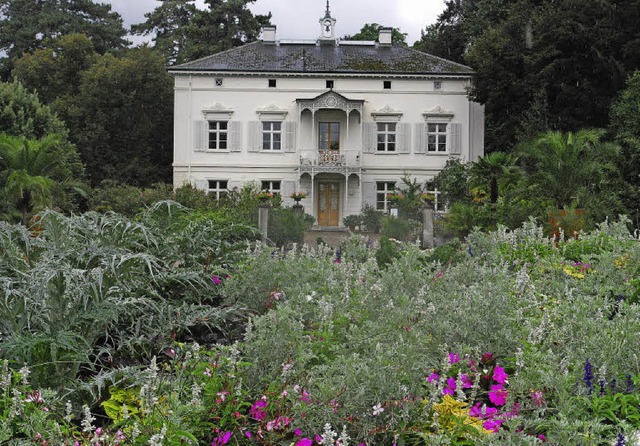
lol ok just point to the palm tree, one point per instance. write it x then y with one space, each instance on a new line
568 167
30 171
493 173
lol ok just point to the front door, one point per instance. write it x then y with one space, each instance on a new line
328 204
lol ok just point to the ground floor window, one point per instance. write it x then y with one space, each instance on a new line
271 186
382 189
218 188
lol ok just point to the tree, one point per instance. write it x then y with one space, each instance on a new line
446 38
25 25
371 31
570 168
491 174
124 121
184 32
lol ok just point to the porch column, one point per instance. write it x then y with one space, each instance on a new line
313 196
346 197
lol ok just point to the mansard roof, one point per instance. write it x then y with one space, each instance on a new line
343 58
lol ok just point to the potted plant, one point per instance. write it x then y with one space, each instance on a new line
264 196
352 221
297 196
427 198
394 197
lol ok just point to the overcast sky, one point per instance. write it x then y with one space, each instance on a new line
298 19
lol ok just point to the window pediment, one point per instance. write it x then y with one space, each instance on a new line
272 113
386 114
438 113
217 111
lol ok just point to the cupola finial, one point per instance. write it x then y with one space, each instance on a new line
327 13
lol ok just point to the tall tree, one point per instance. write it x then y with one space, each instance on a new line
124 122
25 25
184 32
371 31
446 38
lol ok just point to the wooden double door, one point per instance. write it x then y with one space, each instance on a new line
328 203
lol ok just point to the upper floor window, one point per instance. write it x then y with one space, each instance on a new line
218 82
382 189
329 134
272 83
386 85
329 84
271 135
386 137
436 137
218 188
218 135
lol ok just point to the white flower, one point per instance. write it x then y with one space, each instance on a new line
377 409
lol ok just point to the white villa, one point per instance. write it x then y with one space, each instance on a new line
342 121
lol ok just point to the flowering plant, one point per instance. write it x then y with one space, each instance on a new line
394 196
264 195
298 195
427 197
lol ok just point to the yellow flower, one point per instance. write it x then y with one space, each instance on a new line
569 271
452 413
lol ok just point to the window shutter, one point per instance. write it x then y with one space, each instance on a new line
369 137
255 136
288 187
289 136
403 133
200 135
235 136
369 193
420 137
455 136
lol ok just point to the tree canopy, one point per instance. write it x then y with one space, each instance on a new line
25 25
184 32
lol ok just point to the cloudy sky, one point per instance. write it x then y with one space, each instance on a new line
298 19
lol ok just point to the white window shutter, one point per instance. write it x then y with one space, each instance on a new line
255 136
369 137
455 138
369 193
289 136
200 135
403 135
235 136
420 137
288 187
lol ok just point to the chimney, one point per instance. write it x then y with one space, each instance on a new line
385 36
269 34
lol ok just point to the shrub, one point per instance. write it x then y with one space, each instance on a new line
287 226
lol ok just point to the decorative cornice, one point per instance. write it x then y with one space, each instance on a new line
272 111
217 111
386 113
438 112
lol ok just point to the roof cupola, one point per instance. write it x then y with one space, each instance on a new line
327 27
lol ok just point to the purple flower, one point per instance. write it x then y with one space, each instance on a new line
297 433
256 410
621 440
318 439
433 377
450 389
492 425
453 358
588 376
498 395
466 381
222 439
304 442
499 375
483 412
216 280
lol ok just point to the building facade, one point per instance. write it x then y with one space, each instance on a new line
341 121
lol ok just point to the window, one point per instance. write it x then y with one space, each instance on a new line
271 135
437 85
329 133
382 189
218 133
218 188
272 83
386 136
386 85
218 82
436 137
329 84
271 186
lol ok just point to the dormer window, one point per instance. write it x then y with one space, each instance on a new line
330 84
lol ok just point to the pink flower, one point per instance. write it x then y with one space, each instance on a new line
450 388
433 377
247 434
297 433
542 437
256 410
222 439
318 439
498 395
499 375
537 398
466 381
486 358
216 280
453 358
492 425
482 412
304 442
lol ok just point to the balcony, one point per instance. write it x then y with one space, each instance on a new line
329 161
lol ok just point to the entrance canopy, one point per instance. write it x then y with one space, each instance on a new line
330 100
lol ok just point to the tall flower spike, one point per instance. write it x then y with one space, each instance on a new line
588 376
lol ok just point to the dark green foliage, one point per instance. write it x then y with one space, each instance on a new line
287 226
450 253
371 218
184 32
130 200
453 182
388 252
403 229
446 38
25 25
371 31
